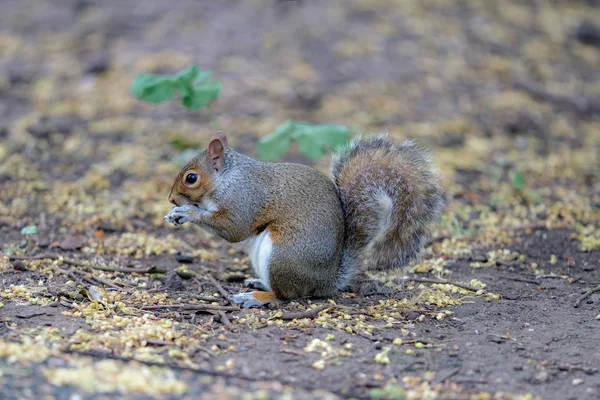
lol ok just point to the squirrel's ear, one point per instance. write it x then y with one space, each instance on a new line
221 136
216 153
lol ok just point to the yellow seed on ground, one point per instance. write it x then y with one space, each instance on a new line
320 365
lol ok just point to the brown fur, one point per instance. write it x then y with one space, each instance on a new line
391 195
181 194
265 297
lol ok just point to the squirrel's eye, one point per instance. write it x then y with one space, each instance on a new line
191 178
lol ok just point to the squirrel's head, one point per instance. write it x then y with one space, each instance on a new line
195 179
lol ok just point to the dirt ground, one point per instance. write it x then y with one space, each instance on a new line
90 305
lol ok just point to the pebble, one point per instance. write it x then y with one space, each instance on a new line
184 258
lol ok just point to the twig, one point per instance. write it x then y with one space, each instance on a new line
9 271
310 313
292 351
214 282
156 342
40 257
549 277
366 335
101 280
443 282
410 366
88 265
586 295
191 307
517 279
437 239
225 321
188 296
217 285
476 381
448 375
203 349
66 304
69 274
512 278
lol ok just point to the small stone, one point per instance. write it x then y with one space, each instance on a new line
588 33
98 63
173 281
577 381
184 258
63 124
235 277
479 258
19 266
38 130
107 227
42 240
20 73
184 272
496 339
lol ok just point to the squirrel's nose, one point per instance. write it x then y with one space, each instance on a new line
172 199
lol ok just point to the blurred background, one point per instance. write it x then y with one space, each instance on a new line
504 93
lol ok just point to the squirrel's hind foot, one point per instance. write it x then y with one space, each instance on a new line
253 299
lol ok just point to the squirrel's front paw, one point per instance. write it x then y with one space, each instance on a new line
253 299
179 215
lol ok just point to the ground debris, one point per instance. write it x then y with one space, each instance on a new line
506 98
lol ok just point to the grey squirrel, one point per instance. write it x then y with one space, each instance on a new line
307 235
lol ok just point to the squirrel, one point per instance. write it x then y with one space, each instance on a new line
309 235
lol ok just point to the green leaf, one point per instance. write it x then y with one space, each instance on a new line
153 88
310 146
276 144
201 95
189 75
192 83
518 181
313 140
29 230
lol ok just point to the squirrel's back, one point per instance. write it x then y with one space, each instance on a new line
390 195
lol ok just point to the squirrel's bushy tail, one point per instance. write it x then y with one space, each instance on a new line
390 194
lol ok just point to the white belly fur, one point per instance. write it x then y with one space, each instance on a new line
260 251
